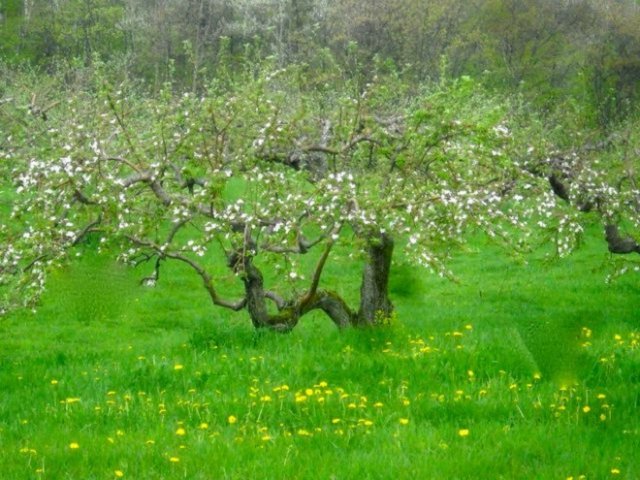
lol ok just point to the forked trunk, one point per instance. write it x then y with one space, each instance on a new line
375 305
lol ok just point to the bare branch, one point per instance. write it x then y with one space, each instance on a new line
86 230
206 278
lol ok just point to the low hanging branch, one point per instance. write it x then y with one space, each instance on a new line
206 278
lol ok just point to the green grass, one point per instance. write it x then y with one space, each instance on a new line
123 371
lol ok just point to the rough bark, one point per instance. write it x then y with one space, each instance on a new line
333 306
255 294
374 290
617 243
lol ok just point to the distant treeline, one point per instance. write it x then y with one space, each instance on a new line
585 51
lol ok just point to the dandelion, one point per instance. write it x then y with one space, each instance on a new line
335 421
586 409
404 421
378 405
181 432
615 471
203 426
174 459
119 473
232 419
463 432
74 445
178 367
54 382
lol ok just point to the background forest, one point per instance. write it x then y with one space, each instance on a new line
553 52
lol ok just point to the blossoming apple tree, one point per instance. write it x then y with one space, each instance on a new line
258 174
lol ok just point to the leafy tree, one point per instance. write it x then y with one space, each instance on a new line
261 171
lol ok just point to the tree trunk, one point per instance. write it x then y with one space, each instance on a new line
332 305
375 305
254 291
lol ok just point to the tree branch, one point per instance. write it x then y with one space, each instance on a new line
206 278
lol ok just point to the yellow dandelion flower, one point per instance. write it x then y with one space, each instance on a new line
323 384
266 438
586 409
463 432
615 471
74 445
174 459
378 405
308 392
54 382
603 417
301 398
601 396
203 426
404 421
265 398
177 366
119 473
181 432
232 419
335 421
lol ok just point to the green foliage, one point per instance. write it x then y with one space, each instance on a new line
547 51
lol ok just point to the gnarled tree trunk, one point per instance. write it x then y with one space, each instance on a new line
375 304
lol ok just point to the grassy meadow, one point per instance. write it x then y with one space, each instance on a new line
519 371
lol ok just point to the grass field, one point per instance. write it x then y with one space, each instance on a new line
519 371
